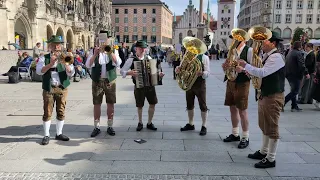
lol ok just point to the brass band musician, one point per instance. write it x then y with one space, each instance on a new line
271 99
236 98
55 81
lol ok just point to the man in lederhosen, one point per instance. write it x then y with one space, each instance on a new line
55 81
141 94
270 101
237 93
103 63
198 90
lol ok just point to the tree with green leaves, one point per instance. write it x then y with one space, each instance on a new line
300 35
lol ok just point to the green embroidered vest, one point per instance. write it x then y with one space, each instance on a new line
46 77
96 71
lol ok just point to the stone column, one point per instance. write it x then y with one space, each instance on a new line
4 37
201 12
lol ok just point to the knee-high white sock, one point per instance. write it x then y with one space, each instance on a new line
140 115
59 127
190 115
273 144
97 123
265 143
110 122
204 116
245 134
235 131
46 128
150 115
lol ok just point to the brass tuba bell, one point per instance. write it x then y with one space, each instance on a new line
238 35
258 34
190 65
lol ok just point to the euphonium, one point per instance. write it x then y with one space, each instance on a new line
238 35
190 65
258 35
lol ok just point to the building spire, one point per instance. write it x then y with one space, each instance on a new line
190 2
174 17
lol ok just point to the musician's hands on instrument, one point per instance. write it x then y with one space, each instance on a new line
133 73
242 63
239 69
96 51
178 69
199 73
53 60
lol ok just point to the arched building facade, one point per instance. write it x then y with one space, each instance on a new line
26 22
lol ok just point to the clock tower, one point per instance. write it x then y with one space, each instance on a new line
225 22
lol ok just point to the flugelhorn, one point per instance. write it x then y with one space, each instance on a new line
67 59
190 65
258 34
238 36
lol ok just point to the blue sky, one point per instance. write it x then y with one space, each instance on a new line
178 6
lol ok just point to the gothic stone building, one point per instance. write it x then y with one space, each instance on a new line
77 22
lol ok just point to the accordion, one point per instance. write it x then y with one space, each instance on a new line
148 73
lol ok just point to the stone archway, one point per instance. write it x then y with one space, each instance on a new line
22 32
60 34
49 32
70 39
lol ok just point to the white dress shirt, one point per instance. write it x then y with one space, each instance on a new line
206 66
103 61
249 54
55 79
126 67
274 62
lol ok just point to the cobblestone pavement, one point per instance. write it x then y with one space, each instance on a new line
70 176
167 154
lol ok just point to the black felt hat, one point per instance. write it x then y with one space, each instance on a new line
141 44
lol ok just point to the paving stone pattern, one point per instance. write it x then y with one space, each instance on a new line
167 154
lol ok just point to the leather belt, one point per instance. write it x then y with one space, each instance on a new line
53 69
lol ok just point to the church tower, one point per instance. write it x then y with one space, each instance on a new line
225 22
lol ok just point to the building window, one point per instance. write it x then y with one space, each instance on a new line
126 11
134 37
126 29
144 29
117 11
118 38
299 4
229 11
154 29
222 11
125 20
289 4
144 11
278 4
318 18
135 20
135 29
145 38
310 4
299 18
221 33
135 11
116 20
288 18
153 39
153 20
222 19
229 18
225 33
228 26
144 20
278 18
221 26
309 18
319 4
117 28
126 38
153 11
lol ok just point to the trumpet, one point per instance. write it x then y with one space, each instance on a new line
66 59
